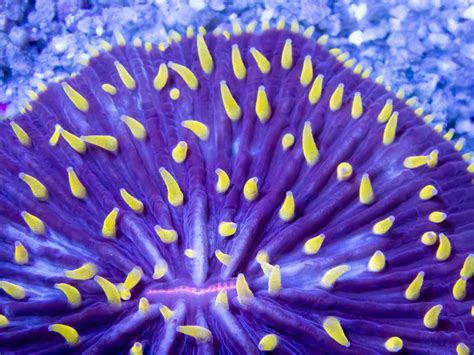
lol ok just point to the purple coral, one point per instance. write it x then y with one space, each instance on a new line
232 194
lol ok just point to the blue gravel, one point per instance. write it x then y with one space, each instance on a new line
425 47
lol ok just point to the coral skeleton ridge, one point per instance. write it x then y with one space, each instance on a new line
232 192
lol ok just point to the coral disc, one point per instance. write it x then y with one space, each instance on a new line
232 194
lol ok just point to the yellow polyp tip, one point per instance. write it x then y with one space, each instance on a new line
274 281
383 226
143 305
85 272
179 152
136 349
358 69
262 106
190 253
109 225
310 150
77 188
265 25
349 63
160 270
366 193
238 65
437 217
428 118
438 127
41 87
429 238
430 320
56 135
444 248
137 42
306 71
357 107
167 236
268 343
236 28
459 145
334 51
186 74
226 34
39 191
110 290
251 26
428 192
411 101
287 210
393 344
262 62
77 99
287 141
108 143
35 224
332 275
295 26
119 38
175 36
377 262
221 300
198 128
379 79
14 291
199 333
74 141
162 46
223 181
459 289
316 89
390 129
231 106
415 161
72 294
366 73
93 52
124 293
175 195
166 312
335 101
189 32
323 40
333 328
449 134
125 76
21 254
462 349
227 229
161 77
342 57
262 256
287 55
33 95
468 267
106 46
202 30
133 278
136 128
344 171
312 246
413 290
244 294
109 89
251 189
308 32
135 204
205 58
419 111
266 268
28 107
433 158
223 258
68 333
4 322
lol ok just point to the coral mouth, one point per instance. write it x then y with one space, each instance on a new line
160 290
